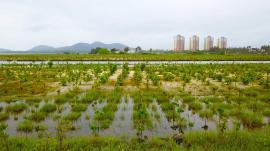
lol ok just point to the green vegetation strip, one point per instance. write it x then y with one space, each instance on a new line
196 141
134 57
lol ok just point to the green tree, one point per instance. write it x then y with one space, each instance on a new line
114 50
138 49
103 51
50 64
126 50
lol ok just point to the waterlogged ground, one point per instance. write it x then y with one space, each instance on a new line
122 124
151 100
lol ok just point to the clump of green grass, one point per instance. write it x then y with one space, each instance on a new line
195 106
25 126
56 117
231 140
91 96
37 116
79 107
73 116
251 119
168 76
141 119
3 116
188 99
206 114
33 100
16 108
48 108
1 108
266 112
61 99
40 127
105 116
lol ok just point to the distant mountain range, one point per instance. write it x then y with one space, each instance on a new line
76 48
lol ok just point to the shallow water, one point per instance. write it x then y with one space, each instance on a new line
122 124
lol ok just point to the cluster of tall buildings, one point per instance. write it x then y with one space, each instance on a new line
194 43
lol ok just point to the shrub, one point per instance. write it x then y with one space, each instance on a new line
154 78
168 76
137 76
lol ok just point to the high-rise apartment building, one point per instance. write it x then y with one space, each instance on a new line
222 43
194 43
208 43
179 43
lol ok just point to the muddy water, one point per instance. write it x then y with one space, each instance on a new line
122 124
162 126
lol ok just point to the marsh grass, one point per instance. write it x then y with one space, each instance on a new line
25 126
37 116
16 108
251 119
72 116
196 141
79 107
246 105
48 108
232 140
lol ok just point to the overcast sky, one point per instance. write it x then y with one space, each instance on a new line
145 23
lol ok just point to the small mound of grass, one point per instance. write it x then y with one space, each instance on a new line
16 108
48 108
79 107
3 116
73 116
25 126
37 116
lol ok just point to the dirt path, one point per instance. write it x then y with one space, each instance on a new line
64 89
113 78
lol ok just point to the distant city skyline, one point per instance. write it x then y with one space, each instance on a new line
149 24
194 43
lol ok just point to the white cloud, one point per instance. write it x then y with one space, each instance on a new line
148 23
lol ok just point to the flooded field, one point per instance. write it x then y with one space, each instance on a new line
143 101
121 125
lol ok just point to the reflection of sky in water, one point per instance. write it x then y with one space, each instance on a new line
122 124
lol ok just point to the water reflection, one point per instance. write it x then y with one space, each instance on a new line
122 124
